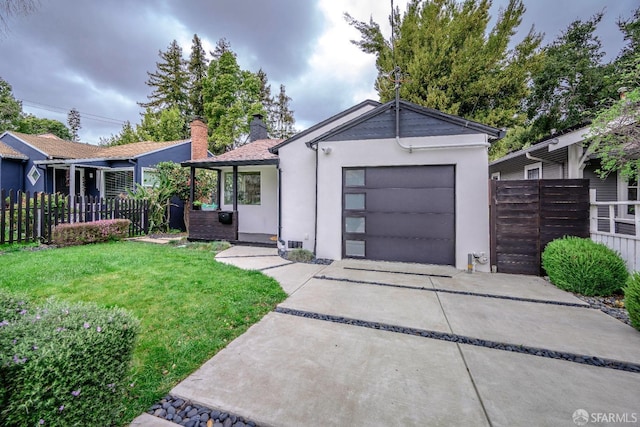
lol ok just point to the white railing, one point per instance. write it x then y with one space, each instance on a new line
626 244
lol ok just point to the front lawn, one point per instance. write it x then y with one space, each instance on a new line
189 305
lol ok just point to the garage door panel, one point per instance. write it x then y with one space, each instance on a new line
410 177
404 213
438 226
432 251
425 200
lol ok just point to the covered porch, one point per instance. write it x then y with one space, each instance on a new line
244 207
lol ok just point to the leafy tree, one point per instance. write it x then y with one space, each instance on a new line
165 125
33 125
127 135
452 61
73 120
231 97
170 82
10 108
616 137
571 83
198 64
627 65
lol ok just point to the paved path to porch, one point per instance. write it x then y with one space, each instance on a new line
372 343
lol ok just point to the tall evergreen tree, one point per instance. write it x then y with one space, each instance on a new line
170 82
73 120
452 61
198 64
283 116
231 97
627 65
10 108
266 99
571 83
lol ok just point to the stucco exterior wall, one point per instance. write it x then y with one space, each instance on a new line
262 218
471 198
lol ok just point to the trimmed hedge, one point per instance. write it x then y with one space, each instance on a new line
80 233
632 299
584 266
63 364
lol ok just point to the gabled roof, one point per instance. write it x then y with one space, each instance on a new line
324 123
59 149
466 125
9 153
56 147
254 153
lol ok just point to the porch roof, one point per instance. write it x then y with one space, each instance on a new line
253 153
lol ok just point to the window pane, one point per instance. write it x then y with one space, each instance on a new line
354 177
354 201
150 178
354 248
117 183
533 174
248 188
354 225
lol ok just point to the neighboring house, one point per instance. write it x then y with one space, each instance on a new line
565 155
373 182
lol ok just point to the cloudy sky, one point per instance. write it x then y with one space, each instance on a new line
94 55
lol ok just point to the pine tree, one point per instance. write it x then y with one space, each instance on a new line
266 100
283 116
198 64
452 61
73 120
170 82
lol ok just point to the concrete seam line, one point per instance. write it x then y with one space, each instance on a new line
466 293
276 266
464 360
446 276
246 256
478 342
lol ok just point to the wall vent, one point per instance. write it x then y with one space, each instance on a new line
293 244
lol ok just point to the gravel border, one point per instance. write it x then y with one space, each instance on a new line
185 413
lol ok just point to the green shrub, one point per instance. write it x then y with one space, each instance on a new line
80 233
584 266
63 364
300 255
632 299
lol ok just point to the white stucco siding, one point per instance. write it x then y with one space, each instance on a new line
298 185
262 218
471 187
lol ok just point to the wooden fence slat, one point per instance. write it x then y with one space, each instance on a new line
3 210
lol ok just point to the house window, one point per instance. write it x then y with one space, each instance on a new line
33 175
248 188
150 177
117 182
630 192
495 176
533 171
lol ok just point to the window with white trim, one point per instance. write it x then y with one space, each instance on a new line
117 182
533 171
495 176
628 191
33 175
150 177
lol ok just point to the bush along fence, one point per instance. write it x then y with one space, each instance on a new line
26 217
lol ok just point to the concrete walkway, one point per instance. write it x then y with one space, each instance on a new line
374 350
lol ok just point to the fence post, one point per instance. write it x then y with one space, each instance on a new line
11 212
612 219
3 217
636 218
593 211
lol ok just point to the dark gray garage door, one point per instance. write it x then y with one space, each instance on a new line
400 213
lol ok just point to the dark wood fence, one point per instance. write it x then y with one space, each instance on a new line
528 214
26 217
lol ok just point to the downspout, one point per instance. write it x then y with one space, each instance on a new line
315 231
280 207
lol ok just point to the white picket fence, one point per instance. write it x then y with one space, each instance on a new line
627 245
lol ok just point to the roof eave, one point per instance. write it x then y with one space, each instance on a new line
215 164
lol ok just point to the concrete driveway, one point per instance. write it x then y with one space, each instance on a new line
372 343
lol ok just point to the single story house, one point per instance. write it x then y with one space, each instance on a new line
565 155
46 163
391 182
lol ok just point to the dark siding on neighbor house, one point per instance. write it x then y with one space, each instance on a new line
11 174
554 166
412 124
33 155
606 190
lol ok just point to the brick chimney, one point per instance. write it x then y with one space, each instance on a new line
199 144
257 129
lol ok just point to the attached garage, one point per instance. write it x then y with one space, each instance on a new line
400 213
389 182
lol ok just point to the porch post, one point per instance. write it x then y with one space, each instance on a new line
72 189
192 186
218 188
235 188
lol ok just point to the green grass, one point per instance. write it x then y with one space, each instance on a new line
189 305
